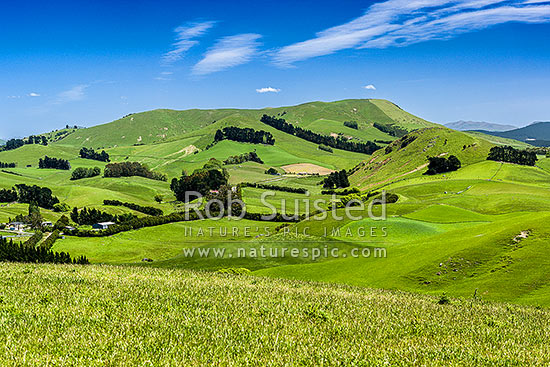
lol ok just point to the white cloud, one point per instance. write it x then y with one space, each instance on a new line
76 93
185 40
228 52
404 22
33 94
370 87
268 90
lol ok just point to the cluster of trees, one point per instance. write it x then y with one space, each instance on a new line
41 139
338 143
92 154
391 129
246 157
129 169
8 196
11 251
13 144
336 180
295 190
351 124
149 210
92 216
271 171
7 165
325 148
210 177
41 196
512 155
55 163
442 165
353 190
82 172
245 135
279 217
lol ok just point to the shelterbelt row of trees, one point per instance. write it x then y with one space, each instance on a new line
512 155
245 135
338 143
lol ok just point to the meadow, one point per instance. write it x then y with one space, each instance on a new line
68 315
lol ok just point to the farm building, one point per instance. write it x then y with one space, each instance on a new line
103 225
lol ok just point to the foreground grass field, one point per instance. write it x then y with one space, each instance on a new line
106 316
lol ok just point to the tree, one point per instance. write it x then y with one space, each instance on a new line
441 165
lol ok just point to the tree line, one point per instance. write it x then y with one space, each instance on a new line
391 129
338 143
55 163
246 157
93 216
512 155
92 154
81 172
12 144
41 196
11 251
295 190
129 169
245 135
149 210
7 165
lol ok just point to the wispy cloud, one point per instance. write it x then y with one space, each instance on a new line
185 39
404 22
33 94
370 87
76 93
228 52
268 90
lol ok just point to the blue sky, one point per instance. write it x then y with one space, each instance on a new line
92 62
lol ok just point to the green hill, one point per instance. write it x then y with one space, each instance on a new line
407 157
167 125
537 133
87 315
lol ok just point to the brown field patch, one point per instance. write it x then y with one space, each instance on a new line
306 168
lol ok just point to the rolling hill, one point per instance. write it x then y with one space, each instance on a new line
538 134
478 125
473 215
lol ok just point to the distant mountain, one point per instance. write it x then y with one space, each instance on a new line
478 125
2 142
538 133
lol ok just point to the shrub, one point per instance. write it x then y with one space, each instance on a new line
271 171
351 124
159 198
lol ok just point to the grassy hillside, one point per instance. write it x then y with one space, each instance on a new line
166 125
93 315
403 160
497 140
